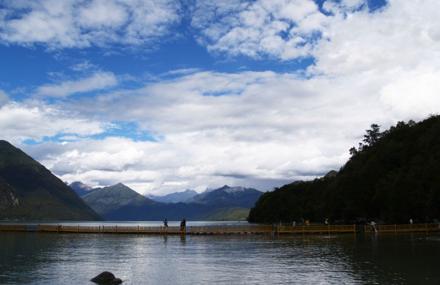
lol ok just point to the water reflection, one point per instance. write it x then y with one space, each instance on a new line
27 258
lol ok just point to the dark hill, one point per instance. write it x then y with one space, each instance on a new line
393 176
111 199
28 191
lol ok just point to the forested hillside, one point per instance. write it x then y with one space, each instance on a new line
392 176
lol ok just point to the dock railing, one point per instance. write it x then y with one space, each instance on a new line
317 229
403 228
221 229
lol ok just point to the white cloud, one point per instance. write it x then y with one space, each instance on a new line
67 24
343 6
83 66
413 95
283 29
21 121
404 35
180 161
96 81
3 98
102 14
269 129
348 39
395 50
261 128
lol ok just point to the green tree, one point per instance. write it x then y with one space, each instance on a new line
372 136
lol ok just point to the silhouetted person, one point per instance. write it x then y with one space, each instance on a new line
165 223
183 225
373 226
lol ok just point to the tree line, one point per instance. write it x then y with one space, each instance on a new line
392 176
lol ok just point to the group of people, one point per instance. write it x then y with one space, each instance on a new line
182 224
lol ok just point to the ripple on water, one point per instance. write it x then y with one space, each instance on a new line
74 258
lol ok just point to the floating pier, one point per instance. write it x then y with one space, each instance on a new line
221 230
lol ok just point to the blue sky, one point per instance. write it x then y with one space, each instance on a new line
36 64
168 95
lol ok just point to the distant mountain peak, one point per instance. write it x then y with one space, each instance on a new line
119 187
80 188
230 189
80 184
107 199
176 197
227 195
224 187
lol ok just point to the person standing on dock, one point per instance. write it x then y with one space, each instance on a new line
411 221
183 226
373 226
165 223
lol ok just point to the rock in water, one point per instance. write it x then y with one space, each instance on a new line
106 278
116 281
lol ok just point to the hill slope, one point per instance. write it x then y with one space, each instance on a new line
28 191
393 176
108 200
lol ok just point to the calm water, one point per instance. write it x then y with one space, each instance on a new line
36 258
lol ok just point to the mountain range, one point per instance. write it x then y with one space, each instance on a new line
176 197
119 202
29 191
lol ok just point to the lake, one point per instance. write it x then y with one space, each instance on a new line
38 258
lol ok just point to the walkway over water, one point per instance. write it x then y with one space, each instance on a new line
221 230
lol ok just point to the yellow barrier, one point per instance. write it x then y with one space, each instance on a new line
221 230
13 228
403 228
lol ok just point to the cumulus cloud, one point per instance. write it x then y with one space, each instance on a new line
96 81
283 29
405 34
180 161
258 129
413 95
262 129
69 24
21 121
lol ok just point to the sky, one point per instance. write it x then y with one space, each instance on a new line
172 95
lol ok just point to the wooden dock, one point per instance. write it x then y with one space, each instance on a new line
220 230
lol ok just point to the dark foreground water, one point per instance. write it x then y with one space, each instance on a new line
36 258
